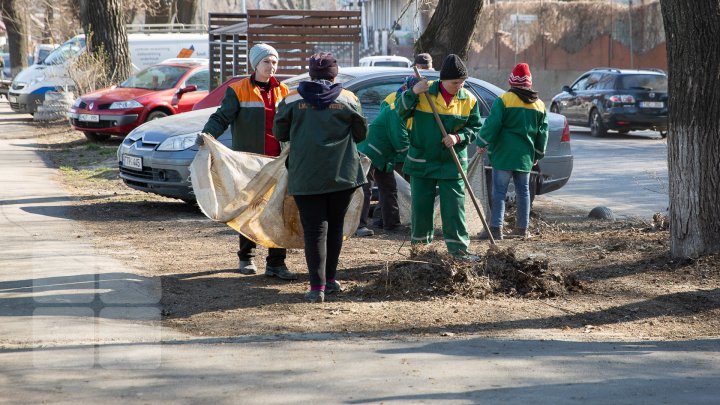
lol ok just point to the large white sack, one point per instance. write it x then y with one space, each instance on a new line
248 192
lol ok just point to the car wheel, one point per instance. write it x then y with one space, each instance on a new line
554 108
96 137
597 126
156 115
663 134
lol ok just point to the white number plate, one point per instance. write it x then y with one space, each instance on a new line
12 99
133 162
89 117
651 104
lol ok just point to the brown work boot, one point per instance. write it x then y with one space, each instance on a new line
496 233
519 233
280 272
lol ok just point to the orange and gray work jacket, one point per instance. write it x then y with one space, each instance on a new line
244 110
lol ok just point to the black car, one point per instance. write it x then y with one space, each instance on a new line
623 100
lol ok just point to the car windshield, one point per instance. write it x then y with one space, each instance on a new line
644 82
65 52
158 77
295 80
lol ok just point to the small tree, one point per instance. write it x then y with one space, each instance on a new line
91 71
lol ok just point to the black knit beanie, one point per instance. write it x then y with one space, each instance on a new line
453 68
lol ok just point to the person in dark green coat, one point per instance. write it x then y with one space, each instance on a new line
322 122
429 161
515 135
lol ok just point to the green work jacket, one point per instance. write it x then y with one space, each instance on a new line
427 156
515 133
387 141
323 155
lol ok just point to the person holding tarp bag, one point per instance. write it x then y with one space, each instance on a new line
429 162
515 135
322 122
249 109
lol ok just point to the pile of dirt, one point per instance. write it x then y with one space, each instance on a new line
433 273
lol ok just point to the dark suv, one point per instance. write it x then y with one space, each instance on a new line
619 99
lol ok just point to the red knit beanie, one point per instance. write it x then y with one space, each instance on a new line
521 76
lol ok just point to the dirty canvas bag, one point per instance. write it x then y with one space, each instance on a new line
248 192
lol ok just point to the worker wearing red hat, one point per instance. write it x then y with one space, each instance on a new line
515 134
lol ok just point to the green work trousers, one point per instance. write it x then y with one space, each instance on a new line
452 212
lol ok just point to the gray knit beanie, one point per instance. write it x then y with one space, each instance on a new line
259 51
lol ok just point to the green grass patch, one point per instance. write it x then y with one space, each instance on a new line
98 174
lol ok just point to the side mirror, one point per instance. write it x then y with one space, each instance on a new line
187 89
567 89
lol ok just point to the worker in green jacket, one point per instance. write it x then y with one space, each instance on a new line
429 161
386 146
322 122
515 135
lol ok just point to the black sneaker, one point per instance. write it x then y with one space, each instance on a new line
333 286
315 296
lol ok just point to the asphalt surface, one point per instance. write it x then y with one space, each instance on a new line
626 173
80 327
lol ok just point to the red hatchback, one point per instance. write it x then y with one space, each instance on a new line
168 88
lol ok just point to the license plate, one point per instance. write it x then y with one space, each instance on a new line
133 162
12 99
89 117
651 104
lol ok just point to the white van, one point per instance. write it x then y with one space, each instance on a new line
29 86
386 61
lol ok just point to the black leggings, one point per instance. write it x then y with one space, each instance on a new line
322 217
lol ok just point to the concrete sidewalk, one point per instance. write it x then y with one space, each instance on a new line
80 327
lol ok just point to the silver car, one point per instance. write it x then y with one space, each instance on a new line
155 157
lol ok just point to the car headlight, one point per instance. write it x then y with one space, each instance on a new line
125 105
36 79
77 102
180 142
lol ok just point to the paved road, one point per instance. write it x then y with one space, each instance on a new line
627 173
79 327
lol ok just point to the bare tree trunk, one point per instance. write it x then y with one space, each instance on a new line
450 29
159 14
16 24
104 26
692 30
186 10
